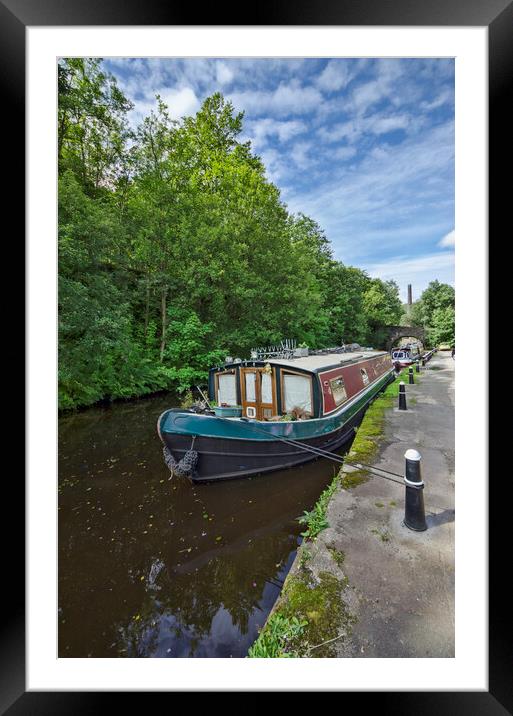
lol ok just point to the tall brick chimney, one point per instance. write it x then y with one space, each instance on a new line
409 295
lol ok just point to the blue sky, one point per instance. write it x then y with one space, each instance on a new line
363 146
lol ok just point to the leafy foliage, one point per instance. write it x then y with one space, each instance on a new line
435 312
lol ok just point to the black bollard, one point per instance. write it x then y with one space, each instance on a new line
411 380
417 367
423 363
414 514
402 396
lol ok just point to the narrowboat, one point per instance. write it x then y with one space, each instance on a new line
406 356
272 414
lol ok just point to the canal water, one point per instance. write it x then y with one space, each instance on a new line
157 567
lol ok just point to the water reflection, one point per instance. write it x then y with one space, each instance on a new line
150 566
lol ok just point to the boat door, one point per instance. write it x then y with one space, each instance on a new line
258 393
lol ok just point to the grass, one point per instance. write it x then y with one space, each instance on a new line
348 480
276 638
305 557
383 534
310 613
316 520
370 432
338 556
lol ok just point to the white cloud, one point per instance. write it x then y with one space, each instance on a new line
346 130
388 84
300 154
334 76
397 194
224 74
181 101
377 124
343 153
448 240
276 168
443 98
260 130
382 125
290 98
418 270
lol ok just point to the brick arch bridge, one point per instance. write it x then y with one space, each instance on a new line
396 332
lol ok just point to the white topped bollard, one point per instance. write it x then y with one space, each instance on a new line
414 514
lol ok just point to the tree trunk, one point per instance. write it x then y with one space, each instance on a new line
147 311
163 321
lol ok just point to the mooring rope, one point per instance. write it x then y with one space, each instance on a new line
327 454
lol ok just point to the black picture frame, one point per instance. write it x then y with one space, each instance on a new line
497 15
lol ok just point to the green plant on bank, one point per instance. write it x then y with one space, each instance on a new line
276 638
187 400
348 480
383 534
370 431
304 558
318 606
316 520
338 556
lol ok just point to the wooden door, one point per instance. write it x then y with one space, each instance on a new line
258 393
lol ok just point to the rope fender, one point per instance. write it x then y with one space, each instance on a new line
185 467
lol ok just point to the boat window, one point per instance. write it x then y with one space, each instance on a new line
365 377
339 390
267 389
297 392
250 387
226 389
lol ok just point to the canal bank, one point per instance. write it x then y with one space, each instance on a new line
367 586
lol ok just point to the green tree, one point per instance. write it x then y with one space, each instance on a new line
98 354
442 329
434 311
436 295
93 130
382 307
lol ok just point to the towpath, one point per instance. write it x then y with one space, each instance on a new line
402 582
397 584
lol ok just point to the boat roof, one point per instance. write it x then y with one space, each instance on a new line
317 363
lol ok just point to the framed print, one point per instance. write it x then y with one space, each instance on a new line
46 672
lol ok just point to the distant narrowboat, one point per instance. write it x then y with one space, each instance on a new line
404 357
270 414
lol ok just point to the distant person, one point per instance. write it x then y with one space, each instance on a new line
452 352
